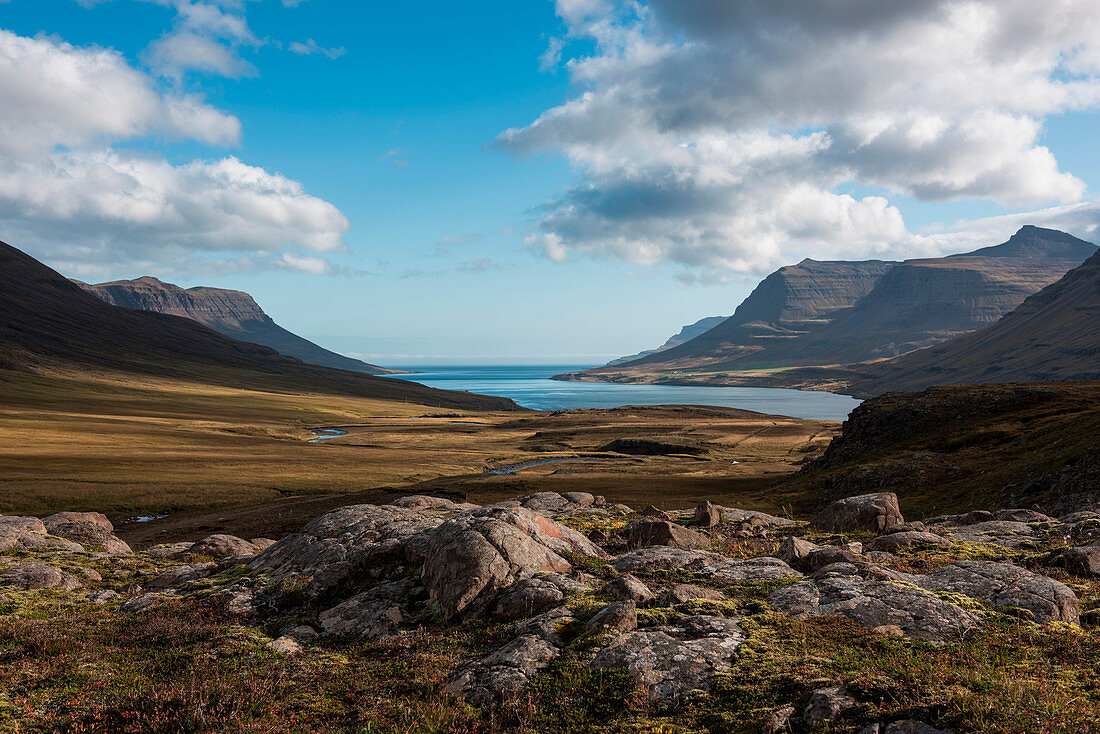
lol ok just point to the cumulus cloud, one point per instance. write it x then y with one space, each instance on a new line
718 135
68 191
207 37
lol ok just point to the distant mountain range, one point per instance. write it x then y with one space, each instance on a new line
49 323
232 313
1053 335
685 334
833 315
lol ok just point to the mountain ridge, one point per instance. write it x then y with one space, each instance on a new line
232 313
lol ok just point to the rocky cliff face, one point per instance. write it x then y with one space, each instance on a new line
841 313
1051 336
685 334
232 313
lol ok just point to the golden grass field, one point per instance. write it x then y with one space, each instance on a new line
216 458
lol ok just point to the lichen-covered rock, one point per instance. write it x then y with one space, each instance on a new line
630 588
911 525
1006 533
349 543
826 556
143 602
649 531
472 554
81 518
427 502
37 575
618 616
762 519
741 569
261 543
176 577
680 593
1002 585
531 596
168 550
1082 560
285 645
874 513
671 660
827 704
908 539
28 533
91 534
708 515
794 549
222 546
919 614
663 558
372 615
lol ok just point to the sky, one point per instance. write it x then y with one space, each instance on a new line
533 182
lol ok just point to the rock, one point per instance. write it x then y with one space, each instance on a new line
908 539
741 569
671 660
472 554
863 570
761 519
997 532
97 519
889 630
597 535
905 527
708 515
680 593
94 535
237 600
827 704
619 616
27 524
342 545
777 720
581 499
654 511
874 513
1019 515
262 543
794 549
649 531
427 502
911 727
531 596
1002 585
663 559
826 556
872 604
504 672
967 518
167 550
37 575
372 615
28 533
285 645
99 598
221 546
1083 560
91 574
143 602
176 577
629 588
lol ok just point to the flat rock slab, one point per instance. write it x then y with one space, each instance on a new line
372 615
873 603
733 514
1003 585
28 576
669 661
742 569
908 539
663 559
1005 533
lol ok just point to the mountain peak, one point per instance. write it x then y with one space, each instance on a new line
1033 242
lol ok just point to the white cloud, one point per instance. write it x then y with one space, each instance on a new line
716 135
69 194
311 47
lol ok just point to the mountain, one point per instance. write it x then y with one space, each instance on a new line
50 323
687 333
840 313
1053 335
232 313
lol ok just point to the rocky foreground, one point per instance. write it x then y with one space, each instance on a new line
558 613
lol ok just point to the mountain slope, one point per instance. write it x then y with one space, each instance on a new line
789 303
232 313
1053 335
685 334
48 322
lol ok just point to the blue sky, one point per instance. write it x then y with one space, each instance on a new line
644 198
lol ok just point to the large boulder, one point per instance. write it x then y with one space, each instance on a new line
1082 560
1005 533
1004 586
223 546
83 518
91 534
649 531
761 519
874 604
908 539
708 515
351 543
741 569
629 588
531 596
827 704
176 577
618 616
38 575
472 554
680 593
794 549
28 533
671 660
874 513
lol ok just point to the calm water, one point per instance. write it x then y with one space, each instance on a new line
532 388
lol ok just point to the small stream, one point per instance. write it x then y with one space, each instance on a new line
323 434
